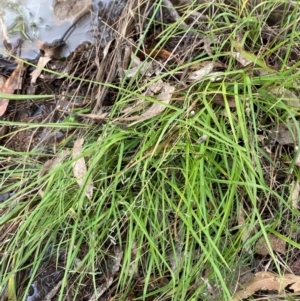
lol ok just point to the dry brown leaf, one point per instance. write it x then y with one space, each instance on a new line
162 53
113 266
241 59
202 72
128 53
2 101
80 169
166 92
13 83
53 292
43 60
268 281
198 65
277 244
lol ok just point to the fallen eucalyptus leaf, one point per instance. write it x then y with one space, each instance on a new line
11 84
268 281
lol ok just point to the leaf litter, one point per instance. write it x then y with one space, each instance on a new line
268 281
12 84
80 169
151 66
276 244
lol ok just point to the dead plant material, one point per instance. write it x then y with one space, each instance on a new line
295 192
53 292
201 73
143 68
287 96
246 231
295 266
43 60
222 101
80 169
5 36
246 58
50 51
268 281
113 265
165 91
174 14
285 134
14 82
276 243
161 53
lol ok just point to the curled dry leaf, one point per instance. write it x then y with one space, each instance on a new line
268 281
80 169
277 244
241 59
13 83
3 104
202 72
166 92
43 60
128 53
